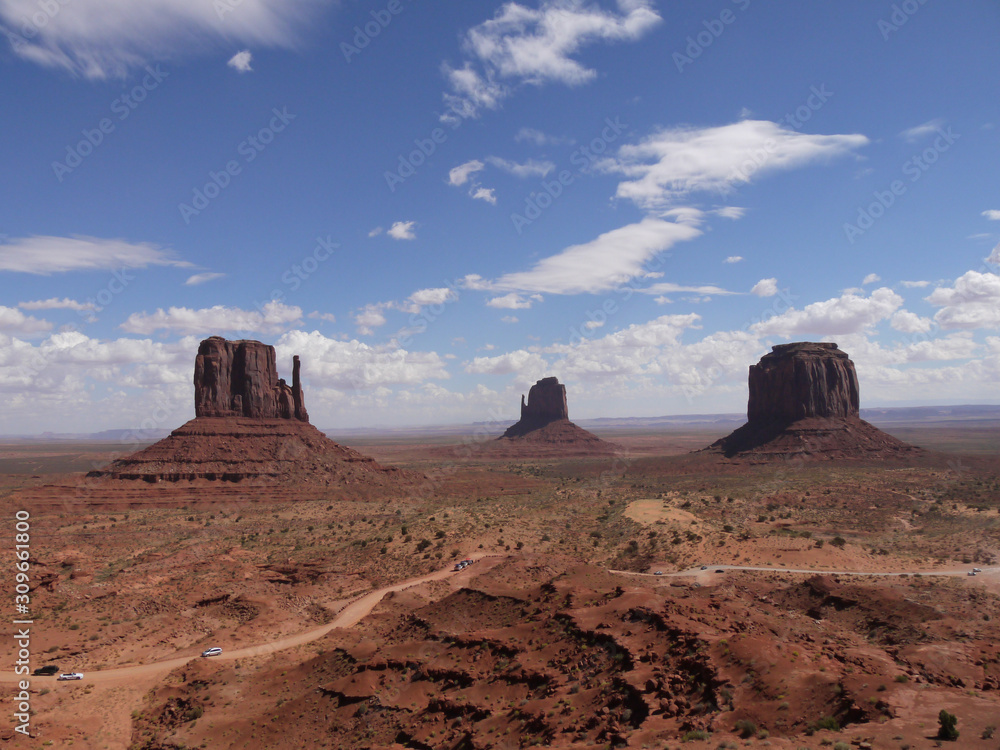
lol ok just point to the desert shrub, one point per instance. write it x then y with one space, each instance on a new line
841 746
828 722
988 732
838 541
946 728
695 734
423 544
746 728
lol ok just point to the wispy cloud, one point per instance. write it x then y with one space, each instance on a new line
460 175
203 278
538 138
917 132
273 317
673 163
530 168
54 303
45 255
733 259
102 38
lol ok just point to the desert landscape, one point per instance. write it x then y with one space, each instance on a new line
802 582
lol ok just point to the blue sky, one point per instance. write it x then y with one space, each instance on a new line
436 204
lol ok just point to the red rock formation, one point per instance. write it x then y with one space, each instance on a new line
240 379
545 430
804 400
546 403
249 425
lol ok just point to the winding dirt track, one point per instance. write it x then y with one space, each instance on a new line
361 607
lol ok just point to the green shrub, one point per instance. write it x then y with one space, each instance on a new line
696 734
947 730
746 728
828 722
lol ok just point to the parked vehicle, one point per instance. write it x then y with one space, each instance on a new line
71 676
47 670
214 651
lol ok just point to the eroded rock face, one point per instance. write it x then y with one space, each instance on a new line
802 380
546 403
240 379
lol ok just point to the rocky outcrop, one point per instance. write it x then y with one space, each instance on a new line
546 404
804 402
240 379
545 430
250 426
796 381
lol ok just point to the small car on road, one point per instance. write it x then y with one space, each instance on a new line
47 670
70 676
214 651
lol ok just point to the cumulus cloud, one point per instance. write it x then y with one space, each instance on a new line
908 322
44 255
372 316
992 214
607 262
102 38
871 279
849 313
523 45
672 163
972 302
994 256
240 62
13 320
273 317
402 230
519 361
435 296
765 288
54 303
460 175
511 301
733 259
203 278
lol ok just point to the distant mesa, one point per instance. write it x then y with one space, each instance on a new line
804 401
544 427
249 425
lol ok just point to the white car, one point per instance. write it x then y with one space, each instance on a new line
977 570
70 676
214 651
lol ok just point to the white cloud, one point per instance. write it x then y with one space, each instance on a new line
512 301
352 365
908 322
537 137
523 45
849 313
460 175
369 318
609 261
436 296
372 316
13 320
992 214
673 163
375 232
54 303
317 315
102 38
202 278
240 62
485 194
402 230
915 284
591 325
919 131
667 287
733 259
509 319
731 212
994 256
530 168
45 255
973 302
765 288
525 363
871 279
273 317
